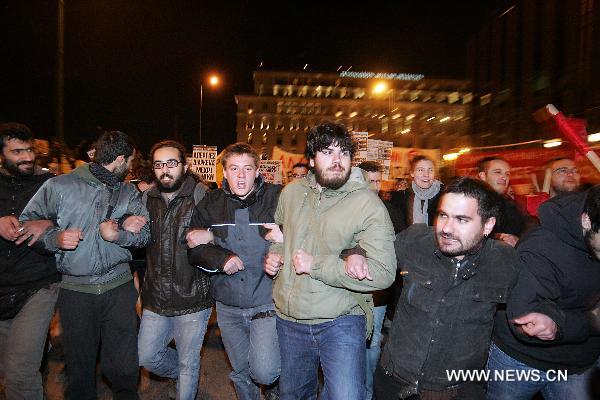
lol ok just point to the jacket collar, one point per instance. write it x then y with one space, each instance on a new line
246 202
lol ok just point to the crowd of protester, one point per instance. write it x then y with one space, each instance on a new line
326 287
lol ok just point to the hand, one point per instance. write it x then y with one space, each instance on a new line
507 238
273 263
275 235
9 226
69 238
233 265
33 230
356 267
109 230
302 262
196 237
537 325
134 223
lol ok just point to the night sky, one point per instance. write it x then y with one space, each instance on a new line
136 65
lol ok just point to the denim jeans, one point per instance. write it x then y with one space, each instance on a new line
338 345
183 364
374 349
251 346
107 320
22 341
575 387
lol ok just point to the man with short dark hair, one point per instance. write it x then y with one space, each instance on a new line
549 323
240 219
324 304
511 222
454 277
299 171
28 279
90 208
565 176
175 295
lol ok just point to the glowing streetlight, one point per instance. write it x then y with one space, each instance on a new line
380 87
213 81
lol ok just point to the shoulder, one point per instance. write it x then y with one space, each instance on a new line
501 255
272 189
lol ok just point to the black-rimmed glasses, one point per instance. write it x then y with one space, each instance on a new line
169 163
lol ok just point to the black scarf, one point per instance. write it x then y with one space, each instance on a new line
104 175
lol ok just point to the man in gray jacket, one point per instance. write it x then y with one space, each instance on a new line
97 297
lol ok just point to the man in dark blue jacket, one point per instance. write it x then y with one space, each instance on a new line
28 279
237 214
548 324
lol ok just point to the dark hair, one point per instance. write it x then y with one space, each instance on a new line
370 166
144 173
327 134
482 164
418 158
14 130
555 159
488 200
239 149
169 143
300 165
112 144
592 206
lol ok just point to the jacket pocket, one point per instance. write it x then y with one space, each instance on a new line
480 302
419 292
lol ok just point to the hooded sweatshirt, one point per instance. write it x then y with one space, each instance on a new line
558 278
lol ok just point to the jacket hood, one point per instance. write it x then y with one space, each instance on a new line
356 181
561 215
83 171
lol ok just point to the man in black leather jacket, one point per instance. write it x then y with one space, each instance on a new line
175 295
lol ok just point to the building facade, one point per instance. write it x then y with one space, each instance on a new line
408 109
531 54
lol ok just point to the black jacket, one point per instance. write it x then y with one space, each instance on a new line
171 285
559 278
22 270
511 219
250 287
403 201
444 316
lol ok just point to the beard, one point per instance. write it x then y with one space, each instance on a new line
332 182
170 187
463 248
13 168
121 171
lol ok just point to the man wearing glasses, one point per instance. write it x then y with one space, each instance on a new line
299 171
565 176
175 295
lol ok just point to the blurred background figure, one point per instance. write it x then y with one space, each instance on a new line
299 171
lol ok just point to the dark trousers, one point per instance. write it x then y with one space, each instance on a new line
91 319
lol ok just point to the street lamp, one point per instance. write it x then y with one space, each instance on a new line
213 81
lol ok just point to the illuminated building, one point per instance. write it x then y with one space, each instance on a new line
408 109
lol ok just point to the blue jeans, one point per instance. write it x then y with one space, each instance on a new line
22 341
575 387
251 346
374 349
183 364
339 346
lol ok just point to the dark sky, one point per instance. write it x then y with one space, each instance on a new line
136 65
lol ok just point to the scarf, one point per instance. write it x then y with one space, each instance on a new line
104 175
420 215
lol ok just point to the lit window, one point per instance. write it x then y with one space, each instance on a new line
249 140
264 138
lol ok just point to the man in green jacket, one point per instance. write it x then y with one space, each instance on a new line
323 302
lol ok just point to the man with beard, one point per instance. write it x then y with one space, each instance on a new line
565 176
28 279
549 322
175 295
238 217
324 303
97 297
454 277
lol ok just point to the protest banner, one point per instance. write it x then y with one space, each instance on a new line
203 162
271 171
